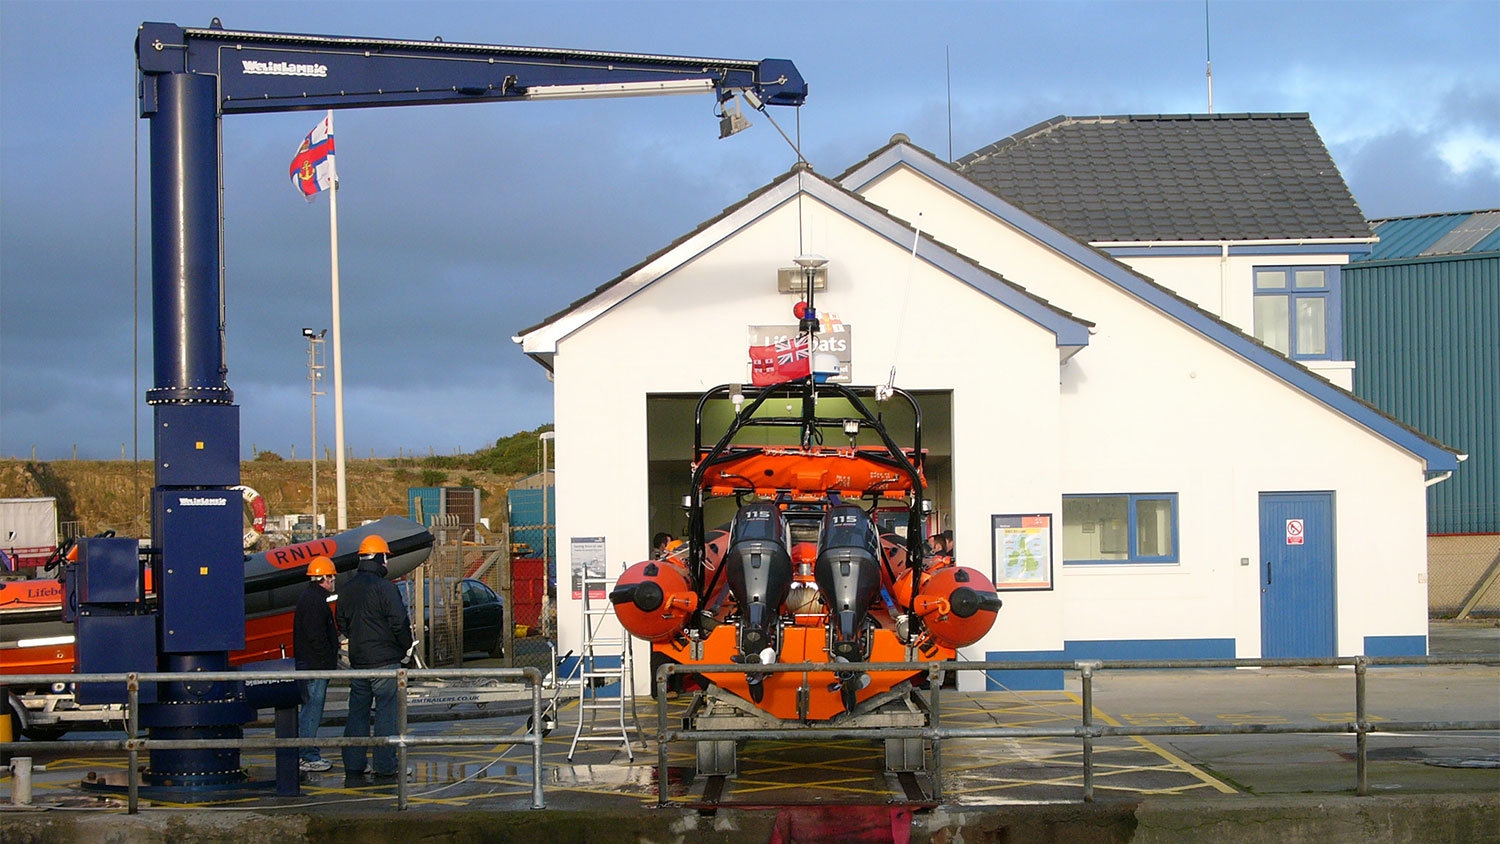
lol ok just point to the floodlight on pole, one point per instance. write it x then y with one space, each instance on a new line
314 375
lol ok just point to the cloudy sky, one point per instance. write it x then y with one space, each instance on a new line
461 225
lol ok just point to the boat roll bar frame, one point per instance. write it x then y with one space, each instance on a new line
811 426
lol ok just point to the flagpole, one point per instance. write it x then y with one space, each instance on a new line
338 353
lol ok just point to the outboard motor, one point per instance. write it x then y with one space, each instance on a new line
760 576
848 575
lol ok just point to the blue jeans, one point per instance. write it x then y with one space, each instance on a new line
311 715
362 693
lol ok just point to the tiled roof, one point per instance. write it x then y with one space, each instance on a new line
1435 235
1173 177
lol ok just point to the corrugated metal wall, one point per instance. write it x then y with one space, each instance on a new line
528 521
1425 335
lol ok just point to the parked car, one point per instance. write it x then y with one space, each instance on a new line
484 616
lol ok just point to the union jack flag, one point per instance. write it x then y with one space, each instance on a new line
790 351
312 168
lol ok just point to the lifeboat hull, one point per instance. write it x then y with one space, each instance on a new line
31 610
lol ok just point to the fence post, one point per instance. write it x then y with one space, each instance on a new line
132 728
401 732
934 683
663 680
537 734
1361 727
1086 673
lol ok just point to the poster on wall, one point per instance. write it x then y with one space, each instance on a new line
835 337
587 554
1021 551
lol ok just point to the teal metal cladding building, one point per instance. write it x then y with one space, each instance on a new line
1422 323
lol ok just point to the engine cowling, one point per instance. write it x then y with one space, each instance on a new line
654 599
760 573
848 576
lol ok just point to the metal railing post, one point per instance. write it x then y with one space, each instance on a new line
1086 674
401 687
534 677
662 681
1361 728
934 683
132 730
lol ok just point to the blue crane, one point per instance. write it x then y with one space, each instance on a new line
189 79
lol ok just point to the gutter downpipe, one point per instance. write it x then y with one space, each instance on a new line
1223 279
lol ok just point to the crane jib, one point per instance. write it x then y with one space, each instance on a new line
267 72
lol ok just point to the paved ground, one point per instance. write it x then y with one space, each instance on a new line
975 773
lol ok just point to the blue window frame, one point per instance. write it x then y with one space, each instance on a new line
1119 528
1299 311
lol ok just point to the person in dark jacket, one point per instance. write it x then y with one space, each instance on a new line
373 618
315 643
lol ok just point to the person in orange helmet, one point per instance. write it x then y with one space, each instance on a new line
315 644
372 616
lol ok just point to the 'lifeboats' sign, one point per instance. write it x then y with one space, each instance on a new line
1294 531
834 337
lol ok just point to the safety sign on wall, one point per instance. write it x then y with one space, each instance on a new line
587 553
1294 531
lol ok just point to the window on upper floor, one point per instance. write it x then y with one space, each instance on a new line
1122 528
1298 311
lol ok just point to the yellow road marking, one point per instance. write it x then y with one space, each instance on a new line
1159 719
1340 717
1170 757
1245 718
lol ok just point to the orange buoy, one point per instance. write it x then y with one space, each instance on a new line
957 604
653 599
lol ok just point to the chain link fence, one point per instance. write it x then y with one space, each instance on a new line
1461 572
438 594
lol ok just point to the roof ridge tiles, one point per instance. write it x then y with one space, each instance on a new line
1470 212
1251 175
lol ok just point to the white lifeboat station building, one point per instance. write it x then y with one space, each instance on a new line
1187 490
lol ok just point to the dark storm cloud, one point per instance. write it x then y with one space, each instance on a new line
1404 172
460 226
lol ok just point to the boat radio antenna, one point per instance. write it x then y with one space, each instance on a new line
807 326
888 389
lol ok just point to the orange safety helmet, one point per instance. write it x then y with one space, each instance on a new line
320 567
374 544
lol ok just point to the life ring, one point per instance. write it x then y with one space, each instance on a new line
257 506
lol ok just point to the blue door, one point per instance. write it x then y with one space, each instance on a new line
1297 596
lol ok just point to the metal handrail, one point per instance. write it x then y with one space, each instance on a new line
133 743
1087 731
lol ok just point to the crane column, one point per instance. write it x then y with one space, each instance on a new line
196 516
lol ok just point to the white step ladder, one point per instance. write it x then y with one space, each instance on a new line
605 663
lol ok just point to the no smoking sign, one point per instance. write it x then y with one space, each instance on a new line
1294 531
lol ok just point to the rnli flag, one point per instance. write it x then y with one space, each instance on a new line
312 168
786 360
